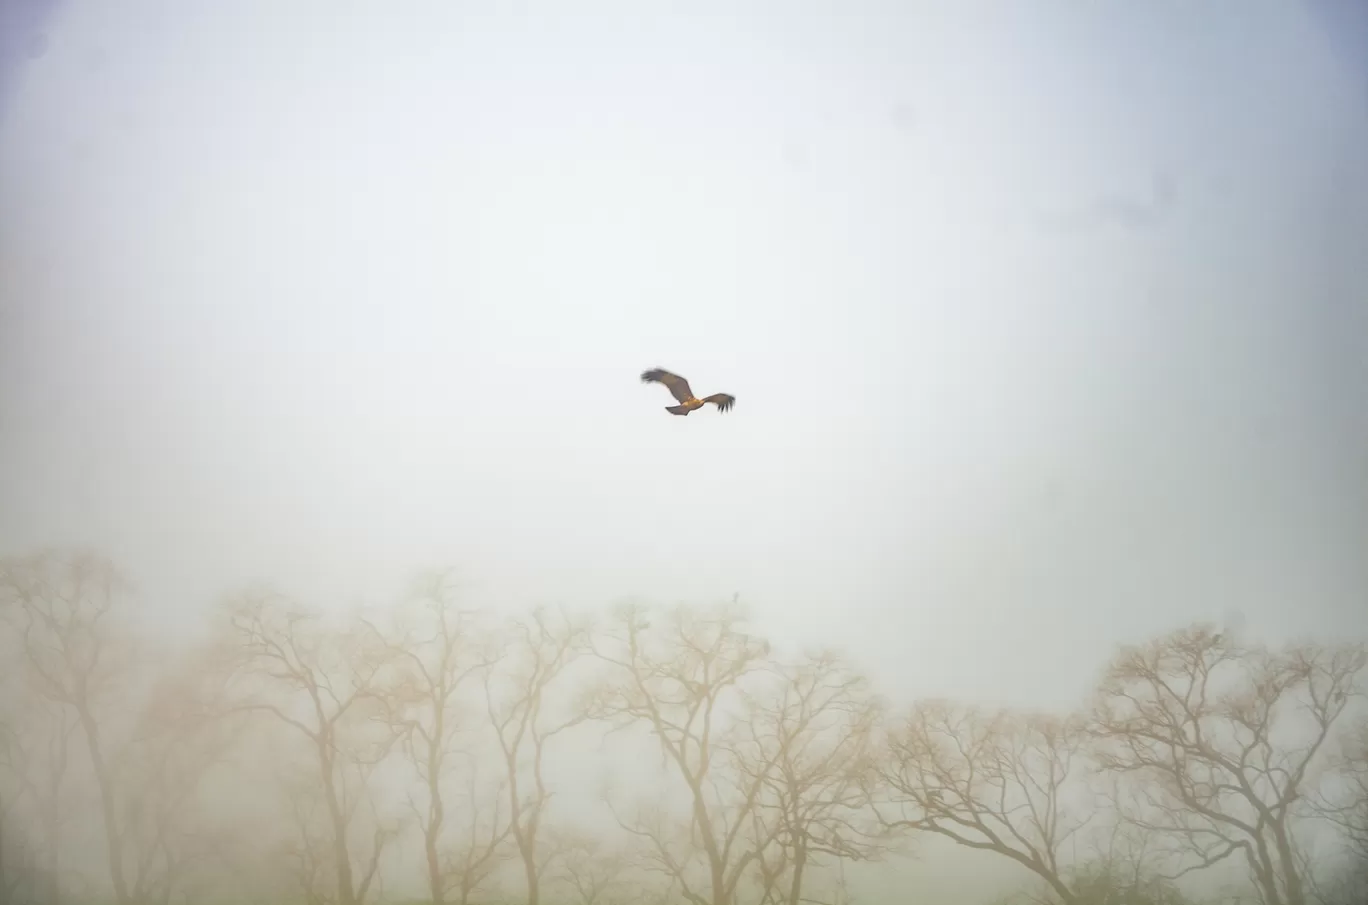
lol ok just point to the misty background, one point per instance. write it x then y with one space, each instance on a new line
1046 322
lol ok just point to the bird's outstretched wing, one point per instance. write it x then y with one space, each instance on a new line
723 401
678 386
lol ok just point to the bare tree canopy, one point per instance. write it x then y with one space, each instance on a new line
350 758
1001 782
1221 743
438 654
328 685
684 681
531 656
148 751
810 743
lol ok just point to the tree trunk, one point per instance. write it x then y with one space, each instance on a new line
1291 878
1264 872
799 862
436 816
346 892
521 836
4 880
719 882
717 868
533 884
108 808
434 866
54 861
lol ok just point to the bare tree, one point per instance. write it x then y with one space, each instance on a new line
478 850
1348 808
75 658
1120 871
1221 743
308 855
594 872
177 741
440 656
35 752
520 672
332 686
810 746
1344 804
92 676
80 658
15 851
1000 782
679 682
21 879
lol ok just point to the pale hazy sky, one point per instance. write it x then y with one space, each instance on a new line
1045 319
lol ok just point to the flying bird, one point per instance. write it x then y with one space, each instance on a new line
679 389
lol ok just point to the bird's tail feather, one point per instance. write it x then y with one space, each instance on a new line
677 409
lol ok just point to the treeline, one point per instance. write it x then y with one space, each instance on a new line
297 756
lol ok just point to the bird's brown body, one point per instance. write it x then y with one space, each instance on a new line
679 389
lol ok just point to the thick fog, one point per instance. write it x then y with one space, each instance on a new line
345 556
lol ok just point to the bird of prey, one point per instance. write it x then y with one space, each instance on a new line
679 389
